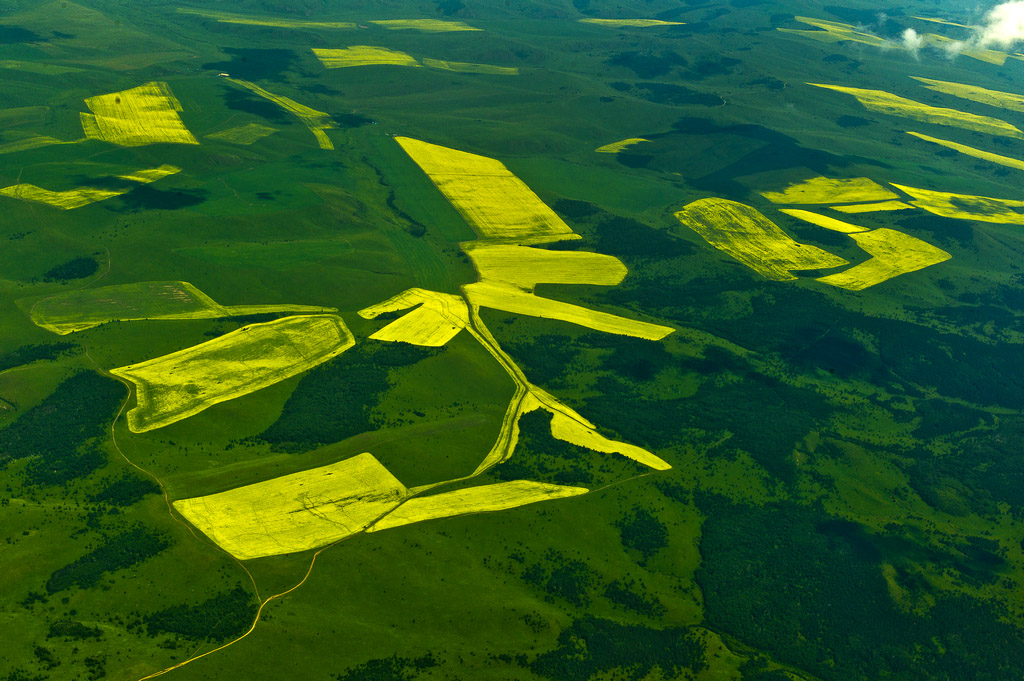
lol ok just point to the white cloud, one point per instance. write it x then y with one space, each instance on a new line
1002 26
912 40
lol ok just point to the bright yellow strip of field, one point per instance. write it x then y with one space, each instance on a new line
827 190
316 121
483 499
83 196
823 221
184 383
243 134
934 20
296 512
894 105
873 207
465 67
509 299
894 253
150 175
362 55
971 151
67 200
632 23
966 206
569 426
426 25
1003 100
834 32
147 114
496 203
616 147
438 319
745 234
508 275
84 309
966 49
228 18
34 142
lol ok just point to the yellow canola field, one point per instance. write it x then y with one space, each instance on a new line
834 32
1003 100
971 151
316 121
966 49
894 253
68 199
184 383
150 175
748 236
873 207
566 425
508 275
509 299
296 512
935 20
83 196
616 147
84 309
426 25
228 18
483 499
827 190
497 204
147 114
465 67
823 221
966 206
34 142
634 23
243 134
582 434
525 267
894 105
438 319
362 55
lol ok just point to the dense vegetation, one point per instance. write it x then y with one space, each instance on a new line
392 668
128 489
60 432
809 590
117 552
40 352
591 646
73 629
336 400
222 616
641 531
540 456
76 268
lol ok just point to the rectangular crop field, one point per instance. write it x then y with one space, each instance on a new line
147 114
184 383
496 203
757 242
296 512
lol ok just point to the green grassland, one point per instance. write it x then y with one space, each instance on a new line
845 500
